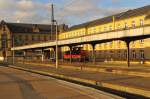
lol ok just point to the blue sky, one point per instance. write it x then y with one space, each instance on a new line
70 12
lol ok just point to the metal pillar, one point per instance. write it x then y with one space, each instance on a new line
42 57
93 53
13 52
128 52
24 56
70 47
13 57
56 45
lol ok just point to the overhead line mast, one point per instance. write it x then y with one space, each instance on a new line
52 20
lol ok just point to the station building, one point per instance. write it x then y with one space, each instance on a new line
115 50
19 34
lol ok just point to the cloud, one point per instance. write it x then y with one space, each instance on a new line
25 5
69 12
26 11
87 10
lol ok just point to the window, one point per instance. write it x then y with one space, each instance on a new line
141 22
89 31
99 29
20 37
111 44
49 38
32 37
118 26
4 40
133 24
142 54
4 28
119 54
64 36
125 54
26 37
94 30
67 35
76 33
79 33
125 25
119 43
133 43
99 46
39 37
111 54
110 28
45 38
105 45
141 41
133 54
105 28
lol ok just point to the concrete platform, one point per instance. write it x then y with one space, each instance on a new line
126 83
134 70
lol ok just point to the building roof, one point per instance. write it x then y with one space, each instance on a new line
123 15
28 28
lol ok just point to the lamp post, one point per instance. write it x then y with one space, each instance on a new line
56 51
13 50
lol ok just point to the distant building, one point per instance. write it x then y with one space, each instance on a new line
18 34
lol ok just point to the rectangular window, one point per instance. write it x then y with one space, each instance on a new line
133 24
111 44
105 28
49 38
119 54
125 54
99 46
20 37
119 43
118 26
110 28
133 54
141 22
99 29
32 37
4 40
4 28
26 37
142 54
39 37
125 25
133 43
45 38
142 41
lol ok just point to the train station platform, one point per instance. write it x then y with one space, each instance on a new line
142 70
133 84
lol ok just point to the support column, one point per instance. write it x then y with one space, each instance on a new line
42 57
93 52
54 54
24 55
128 52
70 47
13 57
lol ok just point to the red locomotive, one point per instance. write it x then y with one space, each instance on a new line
77 54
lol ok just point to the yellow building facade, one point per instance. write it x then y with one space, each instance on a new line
115 50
